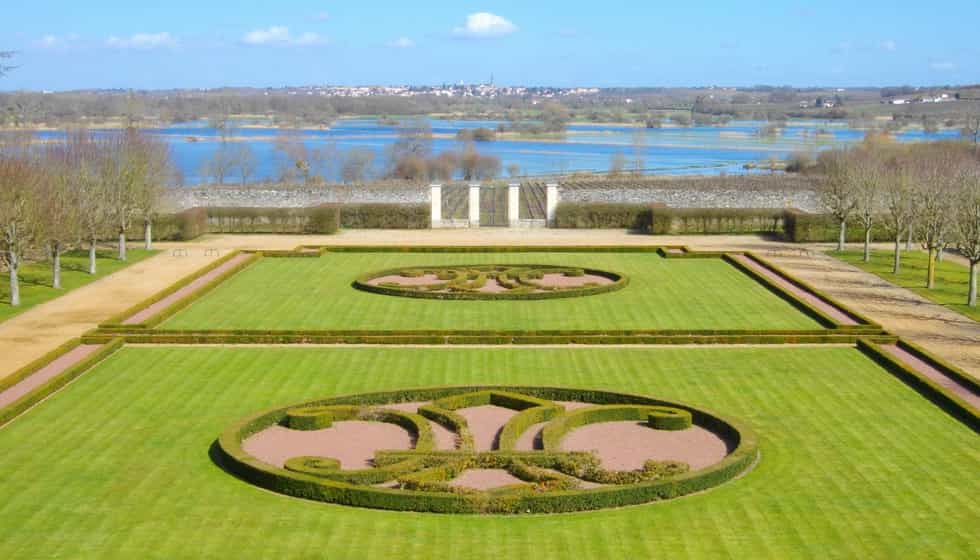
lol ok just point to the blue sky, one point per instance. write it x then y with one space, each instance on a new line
66 44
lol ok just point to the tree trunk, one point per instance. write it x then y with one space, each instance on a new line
940 254
91 256
867 245
56 266
897 263
122 244
931 271
972 299
14 283
843 236
148 235
908 241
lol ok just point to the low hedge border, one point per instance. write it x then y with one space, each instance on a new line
116 322
522 422
950 403
491 249
40 393
231 456
501 340
619 281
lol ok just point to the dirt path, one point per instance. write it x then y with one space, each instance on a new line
40 330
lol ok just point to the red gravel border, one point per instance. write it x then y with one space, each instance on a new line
829 310
932 374
46 373
187 290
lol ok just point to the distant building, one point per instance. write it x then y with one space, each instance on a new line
804 104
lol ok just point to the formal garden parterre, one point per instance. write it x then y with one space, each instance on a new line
834 420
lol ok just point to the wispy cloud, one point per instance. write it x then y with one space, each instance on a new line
56 42
143 41
402 43
278 35
482 25
889 45
942 66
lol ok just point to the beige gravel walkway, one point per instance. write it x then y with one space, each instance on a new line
42 329
32 334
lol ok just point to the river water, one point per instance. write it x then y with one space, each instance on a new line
668 150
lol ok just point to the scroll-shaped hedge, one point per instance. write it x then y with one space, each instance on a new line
491 282
551 480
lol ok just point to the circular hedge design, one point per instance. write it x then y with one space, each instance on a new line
491 282
548 480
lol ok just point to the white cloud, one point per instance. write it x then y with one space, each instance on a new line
485 24
889 45
320 16
280 35
142 41
402 43
943 66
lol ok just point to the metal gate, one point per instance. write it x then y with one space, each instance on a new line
493 207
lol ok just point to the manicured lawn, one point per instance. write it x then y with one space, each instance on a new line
854 464
304 293
952 278
35 278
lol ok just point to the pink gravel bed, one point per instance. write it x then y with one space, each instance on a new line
186 290
529 439
562 281
353 443
46 373
445 438
485 423
485 479
932 374
423 280
806 296
627 445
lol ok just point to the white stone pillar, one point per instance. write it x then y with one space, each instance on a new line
551 202
514 204
475 205
436 200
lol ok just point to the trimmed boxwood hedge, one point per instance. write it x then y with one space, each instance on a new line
743 452
803 227
386 216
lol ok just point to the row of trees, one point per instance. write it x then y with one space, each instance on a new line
925 193
70 195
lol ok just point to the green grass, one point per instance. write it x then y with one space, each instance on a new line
854 464
35 278
305 293
952 278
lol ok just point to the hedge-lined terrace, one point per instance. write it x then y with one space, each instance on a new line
316 294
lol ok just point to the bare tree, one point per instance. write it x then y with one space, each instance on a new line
19 215
617 163
220 164
837 192
966 221
897 198
866 173
971 130
133 171
639 142
356 165
93 214
58 203
933 204
245 161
